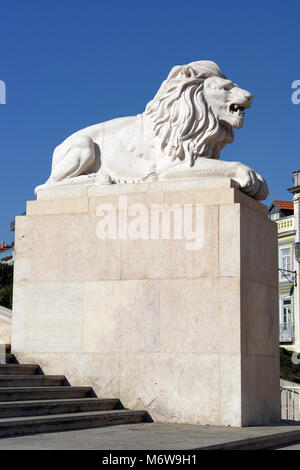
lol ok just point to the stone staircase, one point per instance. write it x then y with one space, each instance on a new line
31 403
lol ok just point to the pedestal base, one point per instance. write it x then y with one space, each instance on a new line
185 328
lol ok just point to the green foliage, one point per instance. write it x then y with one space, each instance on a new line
6 296
6 285
288 370
6 274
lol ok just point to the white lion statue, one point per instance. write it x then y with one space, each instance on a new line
179 135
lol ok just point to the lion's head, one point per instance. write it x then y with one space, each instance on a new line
195 109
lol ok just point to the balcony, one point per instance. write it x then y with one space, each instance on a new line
286 332
286 224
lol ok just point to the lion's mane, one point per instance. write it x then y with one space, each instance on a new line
183 119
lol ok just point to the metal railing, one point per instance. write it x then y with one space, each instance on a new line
286 332
290 403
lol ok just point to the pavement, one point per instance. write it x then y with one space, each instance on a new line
295 446
155 436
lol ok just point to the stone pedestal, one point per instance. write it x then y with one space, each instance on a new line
191 335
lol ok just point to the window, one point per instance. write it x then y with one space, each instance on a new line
284 261
286 315
287 328
275 216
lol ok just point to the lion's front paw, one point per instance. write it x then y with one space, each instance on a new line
251 182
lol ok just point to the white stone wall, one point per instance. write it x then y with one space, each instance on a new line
191 336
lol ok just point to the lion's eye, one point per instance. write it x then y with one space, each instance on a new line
227 87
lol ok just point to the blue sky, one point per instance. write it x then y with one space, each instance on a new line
68 64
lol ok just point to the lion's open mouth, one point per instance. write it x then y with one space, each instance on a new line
237 109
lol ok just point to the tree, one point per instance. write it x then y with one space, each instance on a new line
6 285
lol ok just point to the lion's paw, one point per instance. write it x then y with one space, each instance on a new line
251 182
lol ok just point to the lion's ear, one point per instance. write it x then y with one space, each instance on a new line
175 71
188 71
181 70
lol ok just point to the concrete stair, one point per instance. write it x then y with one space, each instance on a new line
62 406
31 402
43 393
31 380
19 369
66 422
11 359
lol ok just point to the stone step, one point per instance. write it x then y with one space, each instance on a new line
31 402
11 359
62 406
32 425
19 369
32 380
43 393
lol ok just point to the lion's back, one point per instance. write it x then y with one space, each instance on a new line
111 129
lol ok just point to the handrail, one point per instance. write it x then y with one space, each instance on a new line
290 402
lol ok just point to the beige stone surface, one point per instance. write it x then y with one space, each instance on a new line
191 336
193 320
170 382
166 259
60 206
60 191
66 248
260 397
258 258
258 318
128 314
65 190
230 396
48 316
59 199
229 260
5 325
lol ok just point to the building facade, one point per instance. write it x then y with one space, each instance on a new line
282 212
6 254
287 216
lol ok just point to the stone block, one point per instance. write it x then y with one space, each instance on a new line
189 335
